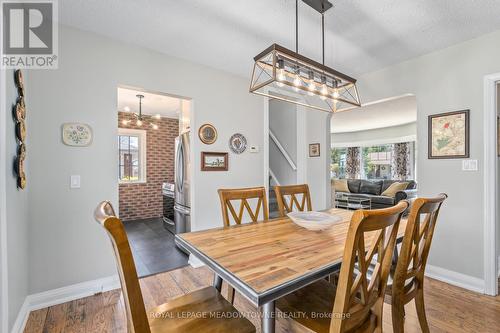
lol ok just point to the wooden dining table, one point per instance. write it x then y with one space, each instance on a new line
267 260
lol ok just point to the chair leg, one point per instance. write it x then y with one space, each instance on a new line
230 294
398 317
420 305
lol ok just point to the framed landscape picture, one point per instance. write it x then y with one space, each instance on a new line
449 135
214 161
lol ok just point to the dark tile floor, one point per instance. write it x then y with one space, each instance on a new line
153 247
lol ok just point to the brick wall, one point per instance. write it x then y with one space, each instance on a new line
141 201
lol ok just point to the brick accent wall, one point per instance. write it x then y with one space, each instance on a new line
141 201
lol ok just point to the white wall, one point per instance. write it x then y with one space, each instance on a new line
16 203
67 246
385 135
447 80
318 168
283 123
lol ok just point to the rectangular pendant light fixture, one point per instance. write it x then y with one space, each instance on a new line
286 75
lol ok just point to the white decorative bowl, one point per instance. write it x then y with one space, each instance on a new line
314 220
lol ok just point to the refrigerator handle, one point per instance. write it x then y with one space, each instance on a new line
180 167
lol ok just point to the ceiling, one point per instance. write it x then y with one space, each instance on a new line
361 35
152 103
393 112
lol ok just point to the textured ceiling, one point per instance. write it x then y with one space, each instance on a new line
152 104
361 36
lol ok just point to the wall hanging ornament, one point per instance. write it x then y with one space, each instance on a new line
20 119
207 134
77 134
238 143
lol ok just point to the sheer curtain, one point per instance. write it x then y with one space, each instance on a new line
401 161
353 162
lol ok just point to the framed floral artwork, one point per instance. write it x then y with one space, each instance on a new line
76 134
448 135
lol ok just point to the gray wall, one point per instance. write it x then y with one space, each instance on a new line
283 123
67 246
16 203
380 135
498 179
447 80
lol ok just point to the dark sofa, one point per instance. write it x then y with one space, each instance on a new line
373 188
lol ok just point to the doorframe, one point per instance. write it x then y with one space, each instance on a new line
490 185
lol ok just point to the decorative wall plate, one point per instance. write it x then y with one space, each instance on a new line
76 134
207 134
238 143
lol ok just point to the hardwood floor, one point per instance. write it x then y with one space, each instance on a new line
449 309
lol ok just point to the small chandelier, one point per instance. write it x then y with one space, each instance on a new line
286 75
139 117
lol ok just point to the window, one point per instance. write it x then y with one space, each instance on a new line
132 156
337 165
376 162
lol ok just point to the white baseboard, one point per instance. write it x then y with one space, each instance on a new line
62 295
195 262
22 317
454 278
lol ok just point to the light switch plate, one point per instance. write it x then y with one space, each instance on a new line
253 149
469 165
74 181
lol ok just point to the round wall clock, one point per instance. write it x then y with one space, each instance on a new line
207 134
238 143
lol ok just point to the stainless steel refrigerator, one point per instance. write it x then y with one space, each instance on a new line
182 206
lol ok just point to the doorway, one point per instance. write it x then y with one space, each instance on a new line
149 124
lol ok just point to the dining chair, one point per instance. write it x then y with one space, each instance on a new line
288 198
220 316
242 195
357 302
408 273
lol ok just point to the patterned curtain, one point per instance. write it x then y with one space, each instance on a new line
401 161
353 162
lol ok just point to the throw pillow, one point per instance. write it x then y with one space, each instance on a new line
340 185
395 187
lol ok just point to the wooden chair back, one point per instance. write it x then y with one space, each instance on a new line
288 198
360 294
228 196
416 244
137 320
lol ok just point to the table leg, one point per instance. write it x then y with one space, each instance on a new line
217 282
268 319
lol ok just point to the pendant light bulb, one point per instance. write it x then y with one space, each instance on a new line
125 122
139 122
155 127
336 93
297 82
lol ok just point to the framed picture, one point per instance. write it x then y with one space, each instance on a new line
448 135
314 150
211 161
207 134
